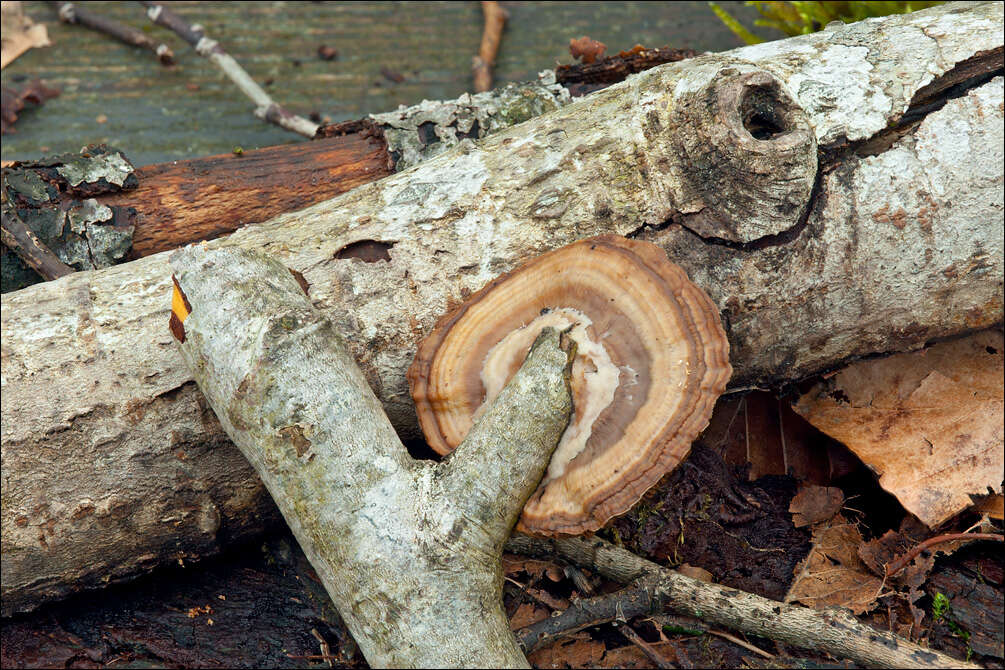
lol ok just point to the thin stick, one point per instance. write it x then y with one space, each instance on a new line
740 643
265 107
19 239
899 564
542 597
622 605
481 66
645 647
70 12
835 631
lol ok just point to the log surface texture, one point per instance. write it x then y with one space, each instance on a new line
409 551
783 177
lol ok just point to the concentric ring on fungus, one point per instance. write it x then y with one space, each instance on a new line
652 358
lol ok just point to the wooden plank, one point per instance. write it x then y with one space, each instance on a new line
154 116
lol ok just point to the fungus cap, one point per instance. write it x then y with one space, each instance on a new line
652 358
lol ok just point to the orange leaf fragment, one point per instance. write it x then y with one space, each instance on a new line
929 422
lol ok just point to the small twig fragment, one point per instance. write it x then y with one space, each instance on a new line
645 647
265 107
896 566
70 12
19 239
481 65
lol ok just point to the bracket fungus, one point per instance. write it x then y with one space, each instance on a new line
652 358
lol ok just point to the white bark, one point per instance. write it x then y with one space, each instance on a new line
112 462
410 551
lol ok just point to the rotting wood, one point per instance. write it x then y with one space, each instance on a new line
19 238
90 473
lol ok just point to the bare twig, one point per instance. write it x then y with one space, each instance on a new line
740 643
896 566
265 107
542 597
833 630
645 647
495 21
19 239
70 12
622 605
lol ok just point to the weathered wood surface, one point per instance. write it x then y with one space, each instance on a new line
901 243
180 202
155 117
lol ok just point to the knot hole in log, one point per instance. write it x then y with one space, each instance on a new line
747 157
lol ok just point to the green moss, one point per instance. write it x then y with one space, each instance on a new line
801 18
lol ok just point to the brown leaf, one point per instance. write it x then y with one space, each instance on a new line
19 33
694 572
12 101
993 506
533 568
929 422
527 614
832 574
578 652
879 552
587 50
815 504
626 657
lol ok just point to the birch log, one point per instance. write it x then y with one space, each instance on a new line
410 551
778 175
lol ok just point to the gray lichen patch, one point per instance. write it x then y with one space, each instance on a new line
422 131
113 167
104 239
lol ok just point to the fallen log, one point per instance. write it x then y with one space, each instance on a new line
895 240
186 201
410 551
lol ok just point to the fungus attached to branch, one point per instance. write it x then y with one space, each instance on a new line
652 358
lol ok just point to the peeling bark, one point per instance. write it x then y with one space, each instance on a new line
885 252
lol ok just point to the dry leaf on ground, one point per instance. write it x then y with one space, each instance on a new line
815 504
577 651
19 32
533 568
993 506
526 615
929 422
832 574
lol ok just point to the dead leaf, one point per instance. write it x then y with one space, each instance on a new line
880 552
19 32
993 506
577 651
587 50
626 657
815 504
533 568
929 422
12 101
694 572
527 614
832 574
